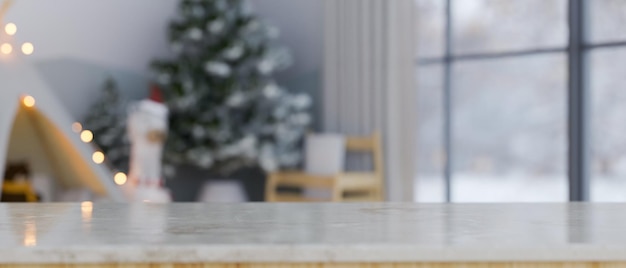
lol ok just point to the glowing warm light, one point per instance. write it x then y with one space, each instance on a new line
6 48
28 101
10 28
77 127
86 206
86 209
30 234
86 136
120 178
28 48
97 157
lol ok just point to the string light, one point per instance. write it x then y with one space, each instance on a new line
120 178
28 48
97 157
86 136
6 48
77 127
28 101
10 28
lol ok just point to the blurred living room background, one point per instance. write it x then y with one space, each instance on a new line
302 100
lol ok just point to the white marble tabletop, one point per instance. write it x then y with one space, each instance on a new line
75 233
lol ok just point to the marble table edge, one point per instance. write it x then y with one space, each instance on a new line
308 254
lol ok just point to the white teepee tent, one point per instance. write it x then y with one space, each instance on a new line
43 136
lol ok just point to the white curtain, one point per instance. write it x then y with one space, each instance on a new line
369 82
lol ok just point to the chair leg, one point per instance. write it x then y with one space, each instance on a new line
380 192
374 195
377 195
270 189
337 194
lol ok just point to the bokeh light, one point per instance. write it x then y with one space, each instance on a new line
77 127
120 178
6 49
97 157
10 28
28 48
28 101
86 136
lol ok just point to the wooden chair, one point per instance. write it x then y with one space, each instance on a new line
346 186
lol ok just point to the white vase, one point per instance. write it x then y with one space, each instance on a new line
222 191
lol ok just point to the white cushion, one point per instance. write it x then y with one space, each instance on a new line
325 154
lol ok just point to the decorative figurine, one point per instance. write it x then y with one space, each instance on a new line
147 130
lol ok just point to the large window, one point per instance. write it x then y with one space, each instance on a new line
521 100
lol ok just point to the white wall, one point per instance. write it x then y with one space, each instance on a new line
114 33
78 43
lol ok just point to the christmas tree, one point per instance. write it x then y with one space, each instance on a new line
226 110
107 121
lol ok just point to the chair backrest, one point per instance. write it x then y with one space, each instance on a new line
369 144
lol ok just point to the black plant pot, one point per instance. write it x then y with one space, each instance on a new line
253 182
189 180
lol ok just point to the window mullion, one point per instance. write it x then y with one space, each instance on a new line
578 172
447 102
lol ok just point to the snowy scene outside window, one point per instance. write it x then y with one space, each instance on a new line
508 82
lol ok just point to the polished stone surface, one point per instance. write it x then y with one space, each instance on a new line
86 233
